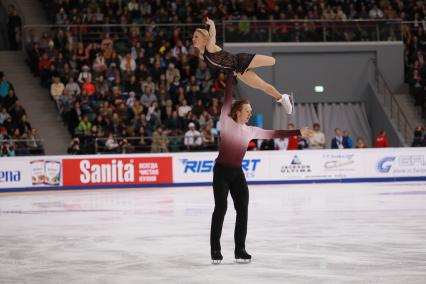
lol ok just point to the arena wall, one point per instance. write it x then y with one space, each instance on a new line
344 69
195 169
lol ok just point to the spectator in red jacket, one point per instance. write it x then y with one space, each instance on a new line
219 84
293 141
89 87
44 69
381 140
252 146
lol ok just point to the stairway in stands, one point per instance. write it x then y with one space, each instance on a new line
41 110
412 112
31 11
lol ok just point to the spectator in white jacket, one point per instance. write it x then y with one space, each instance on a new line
111 143
72 88
317 141
193 138
56 89
183 109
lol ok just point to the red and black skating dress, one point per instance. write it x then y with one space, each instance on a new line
227 62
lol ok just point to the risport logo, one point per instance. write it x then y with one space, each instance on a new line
197 166
8 176
296 166
206 166
385 164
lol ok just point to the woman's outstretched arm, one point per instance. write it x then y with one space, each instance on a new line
212 31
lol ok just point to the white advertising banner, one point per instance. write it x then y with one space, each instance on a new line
30 172
197 167
309 165
13 173
318 165
406 162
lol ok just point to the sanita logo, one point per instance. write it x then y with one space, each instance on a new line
10 176
109 171
206 166
385 164
296 166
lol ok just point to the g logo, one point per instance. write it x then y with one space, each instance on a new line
384 165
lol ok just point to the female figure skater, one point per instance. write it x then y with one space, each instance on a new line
228 175
242 64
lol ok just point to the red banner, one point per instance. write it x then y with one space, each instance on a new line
115 171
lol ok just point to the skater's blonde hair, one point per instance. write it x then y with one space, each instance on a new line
203 32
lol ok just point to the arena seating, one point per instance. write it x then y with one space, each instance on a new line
130 80
17 137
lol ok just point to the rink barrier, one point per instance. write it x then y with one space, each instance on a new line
209 184
196 169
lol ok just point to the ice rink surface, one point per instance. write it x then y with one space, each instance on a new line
315 233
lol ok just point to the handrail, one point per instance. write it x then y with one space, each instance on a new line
150 137
223 23
414 22
312 30
111 25
399 113
180 138
398 20
21 140
24 149
89 32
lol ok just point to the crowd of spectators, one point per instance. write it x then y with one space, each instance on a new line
68 12
416 73
122 99
341 140
17 137
414 36
147 82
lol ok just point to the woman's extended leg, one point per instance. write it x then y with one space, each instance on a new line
253 80
261 60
